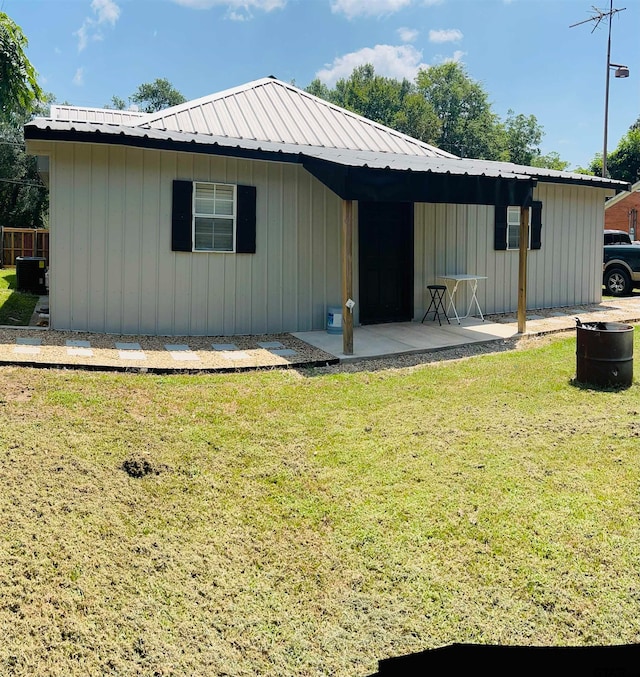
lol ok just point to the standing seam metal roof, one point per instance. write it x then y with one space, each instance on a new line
271 110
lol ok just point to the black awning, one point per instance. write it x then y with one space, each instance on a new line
389 185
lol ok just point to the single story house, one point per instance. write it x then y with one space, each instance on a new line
621 211
255 209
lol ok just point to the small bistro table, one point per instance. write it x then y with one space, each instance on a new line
452 283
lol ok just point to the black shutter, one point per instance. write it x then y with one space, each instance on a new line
536 224
500 227
246 220
181 216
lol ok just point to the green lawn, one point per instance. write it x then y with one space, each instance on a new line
16 308
312 523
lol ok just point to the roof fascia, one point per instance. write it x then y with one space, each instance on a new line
74 136
622 195
604 183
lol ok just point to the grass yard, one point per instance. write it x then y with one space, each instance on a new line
311 524
16 308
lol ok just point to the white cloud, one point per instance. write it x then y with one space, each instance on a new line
353 8
407 34
456 58
83 36
446 35
78 78
106 12
234 6
392 62
431 3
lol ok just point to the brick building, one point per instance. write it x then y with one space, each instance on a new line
621 212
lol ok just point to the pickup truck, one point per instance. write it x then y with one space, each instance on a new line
621 263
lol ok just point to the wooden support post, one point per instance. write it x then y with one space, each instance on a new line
522 270
347 276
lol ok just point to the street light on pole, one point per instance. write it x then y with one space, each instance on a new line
621 72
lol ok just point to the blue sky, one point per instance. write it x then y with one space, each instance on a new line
523 52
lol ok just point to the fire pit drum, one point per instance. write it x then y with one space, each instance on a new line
604 353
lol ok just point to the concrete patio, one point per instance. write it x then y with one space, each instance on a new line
384 340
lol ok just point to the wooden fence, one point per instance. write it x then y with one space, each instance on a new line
24 242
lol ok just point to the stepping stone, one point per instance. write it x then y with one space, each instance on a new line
27 350
27 346
130 351
79 348
181 352
284 352
225 346
79 352
235 355
270 344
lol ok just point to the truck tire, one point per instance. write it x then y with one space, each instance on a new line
617 282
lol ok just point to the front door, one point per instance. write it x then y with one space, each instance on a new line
385 245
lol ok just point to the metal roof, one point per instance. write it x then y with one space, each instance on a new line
621 196
271 110
146 136
100 115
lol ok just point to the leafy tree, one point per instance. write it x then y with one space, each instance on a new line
523 135
469 128
19 89
155 96
393 103
624 162
24 200
320 90
550 161
117 103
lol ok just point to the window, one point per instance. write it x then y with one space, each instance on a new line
213 217
507 227
513 228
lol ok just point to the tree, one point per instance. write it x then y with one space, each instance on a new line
155 96
551 160
393 103
24 200
117 103
523 135
624 162
19 88
469 128
445 108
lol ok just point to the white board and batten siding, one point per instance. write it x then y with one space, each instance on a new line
567 270
112 268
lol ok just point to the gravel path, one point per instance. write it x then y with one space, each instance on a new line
46 347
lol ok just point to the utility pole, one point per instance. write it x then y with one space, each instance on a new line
621 71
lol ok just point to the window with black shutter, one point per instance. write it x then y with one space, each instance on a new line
507 227
213 217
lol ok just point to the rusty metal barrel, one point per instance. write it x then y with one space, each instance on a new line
604 354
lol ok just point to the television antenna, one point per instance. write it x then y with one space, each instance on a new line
622 71
598 16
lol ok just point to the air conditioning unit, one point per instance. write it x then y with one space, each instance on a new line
30 274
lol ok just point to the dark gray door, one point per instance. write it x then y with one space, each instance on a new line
385 243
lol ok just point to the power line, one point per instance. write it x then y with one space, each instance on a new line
23 183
